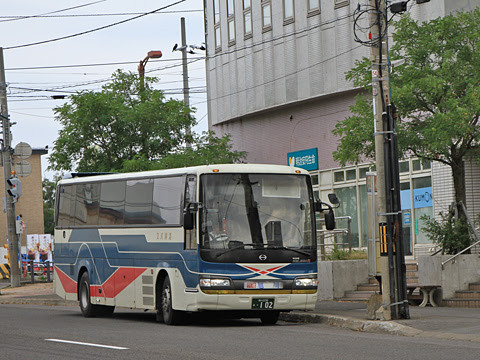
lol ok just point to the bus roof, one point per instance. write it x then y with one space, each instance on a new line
198 170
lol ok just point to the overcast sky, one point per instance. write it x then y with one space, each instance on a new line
25 22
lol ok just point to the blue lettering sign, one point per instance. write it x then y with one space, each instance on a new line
305 159
422 197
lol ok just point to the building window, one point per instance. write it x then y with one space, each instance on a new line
247 19
288 12
216 18
340 3
231 21
313 7
266 15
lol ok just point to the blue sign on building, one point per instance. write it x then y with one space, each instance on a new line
305 159
422 197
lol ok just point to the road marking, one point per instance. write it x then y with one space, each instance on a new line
87 344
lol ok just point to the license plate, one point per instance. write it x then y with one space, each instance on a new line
263 285
263 304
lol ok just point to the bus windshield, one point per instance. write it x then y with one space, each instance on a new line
244 213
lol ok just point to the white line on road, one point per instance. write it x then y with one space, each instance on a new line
87 344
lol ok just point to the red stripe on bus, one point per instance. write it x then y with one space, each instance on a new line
116 283
68 284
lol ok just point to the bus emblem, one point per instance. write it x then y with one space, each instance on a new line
263 257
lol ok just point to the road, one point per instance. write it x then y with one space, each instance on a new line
42 332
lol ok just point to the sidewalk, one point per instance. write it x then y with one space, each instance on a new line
427 322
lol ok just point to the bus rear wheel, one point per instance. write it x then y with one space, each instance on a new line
86 306
169 315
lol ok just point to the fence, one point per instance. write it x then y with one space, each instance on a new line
37 271
327 240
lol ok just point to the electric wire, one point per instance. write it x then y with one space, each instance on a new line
21 17
13 18
93 30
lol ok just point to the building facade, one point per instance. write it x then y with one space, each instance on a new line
276 83
30 204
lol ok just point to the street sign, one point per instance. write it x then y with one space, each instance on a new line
23 168
22 151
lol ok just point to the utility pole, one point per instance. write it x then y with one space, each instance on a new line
186 90
392 260
7 173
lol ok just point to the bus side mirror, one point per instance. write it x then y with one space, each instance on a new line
188 222
330 220
189 215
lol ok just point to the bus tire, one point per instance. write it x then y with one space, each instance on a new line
269 317
87 308
169 315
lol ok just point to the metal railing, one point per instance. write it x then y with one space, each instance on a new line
323 234
36 270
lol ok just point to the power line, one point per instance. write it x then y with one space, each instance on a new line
93 30
13 18
85 65
21 17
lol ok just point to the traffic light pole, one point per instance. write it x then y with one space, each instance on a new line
392 266
7 173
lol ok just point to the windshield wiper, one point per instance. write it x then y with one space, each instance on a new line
237 247
291 249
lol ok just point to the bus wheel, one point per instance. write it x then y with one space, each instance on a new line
170 316
87 308
269 317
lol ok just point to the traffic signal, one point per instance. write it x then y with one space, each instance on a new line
16 188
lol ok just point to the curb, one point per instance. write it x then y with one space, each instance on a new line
33 301
383 327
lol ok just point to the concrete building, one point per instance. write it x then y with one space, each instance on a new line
30 204
276 82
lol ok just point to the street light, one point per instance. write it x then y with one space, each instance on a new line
154 54
184 49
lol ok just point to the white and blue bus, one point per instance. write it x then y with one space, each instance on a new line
236 238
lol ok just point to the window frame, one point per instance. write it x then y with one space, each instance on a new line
290 19
247 11
264 4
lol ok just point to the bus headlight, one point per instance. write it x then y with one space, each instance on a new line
220 282
302 282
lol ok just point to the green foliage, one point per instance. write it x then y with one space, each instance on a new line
339 254
452 235
48 205
206 149
103 129
436 91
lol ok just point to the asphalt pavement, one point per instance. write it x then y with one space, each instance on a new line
428 322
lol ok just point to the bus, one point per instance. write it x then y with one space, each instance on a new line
234 238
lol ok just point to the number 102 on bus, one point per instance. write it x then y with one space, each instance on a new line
263 304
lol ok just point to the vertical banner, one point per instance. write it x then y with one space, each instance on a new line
45 247
32 247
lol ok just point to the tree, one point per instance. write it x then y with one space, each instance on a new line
107 130
436 92
207 149
48 205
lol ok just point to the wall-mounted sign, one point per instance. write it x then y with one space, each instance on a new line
305 159
422 197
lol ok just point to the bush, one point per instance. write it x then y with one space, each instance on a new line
338 254
452 235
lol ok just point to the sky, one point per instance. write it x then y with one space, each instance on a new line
40 64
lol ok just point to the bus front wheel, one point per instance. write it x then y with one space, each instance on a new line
86 306
269 317
169 315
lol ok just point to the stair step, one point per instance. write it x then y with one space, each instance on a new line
462 303
467 294
474 287
368 287
411 266
358 294
372 280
